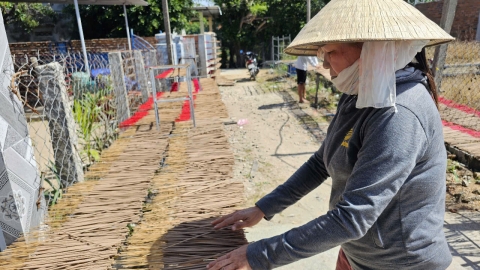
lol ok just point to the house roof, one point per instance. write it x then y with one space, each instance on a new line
210 11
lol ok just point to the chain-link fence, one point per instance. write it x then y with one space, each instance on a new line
132 82
190 55
459 95
279 44
73 115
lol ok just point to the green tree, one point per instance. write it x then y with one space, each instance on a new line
28 16
249 25
108 21
239 25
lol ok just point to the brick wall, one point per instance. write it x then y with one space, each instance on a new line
466 17
93 45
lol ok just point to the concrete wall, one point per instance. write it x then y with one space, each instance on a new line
19 178
465 23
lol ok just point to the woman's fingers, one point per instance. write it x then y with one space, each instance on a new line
228 221
220 265
240 225
221 219
240 219
235 260
231 267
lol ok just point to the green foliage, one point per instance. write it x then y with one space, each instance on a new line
131 228
109 21
452 167
87 113
27 15
54 193
258 8
246 24
194 27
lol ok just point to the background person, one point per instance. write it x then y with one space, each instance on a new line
301 66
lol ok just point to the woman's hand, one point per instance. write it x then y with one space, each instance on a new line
240 219
235 260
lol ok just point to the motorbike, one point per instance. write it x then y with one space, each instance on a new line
252 65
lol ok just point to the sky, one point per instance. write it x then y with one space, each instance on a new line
204 2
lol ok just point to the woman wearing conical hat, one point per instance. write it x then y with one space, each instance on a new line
384 149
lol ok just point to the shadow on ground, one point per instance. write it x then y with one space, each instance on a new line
307 121
462 231
244 80
193 245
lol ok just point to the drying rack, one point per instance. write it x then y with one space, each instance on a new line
188 78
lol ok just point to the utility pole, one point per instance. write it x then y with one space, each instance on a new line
128 28
168 36
448 14
478 29
308 10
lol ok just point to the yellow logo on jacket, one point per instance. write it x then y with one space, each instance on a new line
347 138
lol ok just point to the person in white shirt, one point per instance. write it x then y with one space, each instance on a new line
301 65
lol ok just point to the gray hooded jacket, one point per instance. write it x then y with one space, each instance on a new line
388 195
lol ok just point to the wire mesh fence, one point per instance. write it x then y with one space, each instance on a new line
73 115
132 83
279 44
459 95
190 55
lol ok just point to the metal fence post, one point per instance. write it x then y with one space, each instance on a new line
141 76
61 123
202 52
448 14
273 49
152 58
477 37
120 90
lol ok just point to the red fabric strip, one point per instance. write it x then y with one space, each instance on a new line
141 112
164 74
471 132
453 104
185 114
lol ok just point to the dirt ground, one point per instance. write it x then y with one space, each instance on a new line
463 188
278 138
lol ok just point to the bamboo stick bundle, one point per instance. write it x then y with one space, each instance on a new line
194 187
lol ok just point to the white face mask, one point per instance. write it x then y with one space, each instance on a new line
372 77
347 80
379 61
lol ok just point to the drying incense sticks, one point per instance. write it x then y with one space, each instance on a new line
88 227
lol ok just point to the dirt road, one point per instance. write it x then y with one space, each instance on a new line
278 138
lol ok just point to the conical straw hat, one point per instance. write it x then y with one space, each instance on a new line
366 20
